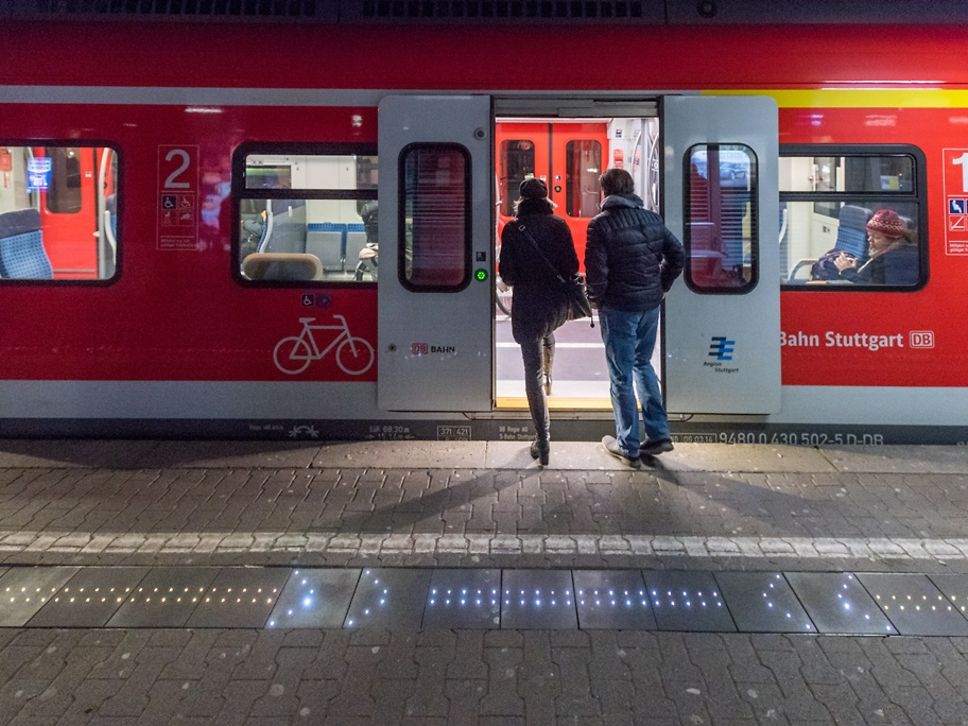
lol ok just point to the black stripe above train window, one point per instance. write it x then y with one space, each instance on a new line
598 12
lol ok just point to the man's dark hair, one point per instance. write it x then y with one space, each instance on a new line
617 181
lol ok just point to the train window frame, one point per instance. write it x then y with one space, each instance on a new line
754 240
240 193
35 203
402 222
915 196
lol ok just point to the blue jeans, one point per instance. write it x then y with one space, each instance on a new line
629 339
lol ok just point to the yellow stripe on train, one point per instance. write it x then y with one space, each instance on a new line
916 95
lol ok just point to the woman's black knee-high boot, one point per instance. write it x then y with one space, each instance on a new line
547 361
541 450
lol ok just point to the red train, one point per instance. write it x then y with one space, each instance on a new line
190 214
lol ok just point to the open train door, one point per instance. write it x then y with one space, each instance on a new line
436 236
722 324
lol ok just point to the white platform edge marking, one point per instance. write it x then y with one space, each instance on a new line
349 543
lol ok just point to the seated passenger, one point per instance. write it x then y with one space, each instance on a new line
892 256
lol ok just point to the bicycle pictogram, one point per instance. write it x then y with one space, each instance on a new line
294 353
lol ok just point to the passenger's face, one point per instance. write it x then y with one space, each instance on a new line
879 242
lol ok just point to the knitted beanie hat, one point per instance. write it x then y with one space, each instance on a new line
533 188
888 223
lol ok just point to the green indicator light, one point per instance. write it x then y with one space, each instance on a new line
481 275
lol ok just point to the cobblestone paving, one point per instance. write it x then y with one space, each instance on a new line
90 504
421 517
530 677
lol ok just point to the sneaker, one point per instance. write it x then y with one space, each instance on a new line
654 448
612 447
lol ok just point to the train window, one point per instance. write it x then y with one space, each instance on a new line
58 212
306 214
721 218
851 218
64 192
435 217
516 165
583 166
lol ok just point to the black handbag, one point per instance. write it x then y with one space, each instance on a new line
578 305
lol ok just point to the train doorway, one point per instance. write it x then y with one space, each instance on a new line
449 169
709 166
569 155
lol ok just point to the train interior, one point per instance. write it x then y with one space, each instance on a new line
826 202
569 155
58 212
323 227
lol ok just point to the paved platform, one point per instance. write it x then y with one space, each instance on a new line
891 521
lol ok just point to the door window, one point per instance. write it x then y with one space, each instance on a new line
435 217
584 167
517 164
64 192
721 218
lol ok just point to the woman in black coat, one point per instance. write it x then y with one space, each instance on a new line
540 300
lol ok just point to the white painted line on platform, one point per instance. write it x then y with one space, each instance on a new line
352 544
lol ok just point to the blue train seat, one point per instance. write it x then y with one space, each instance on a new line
22 253
355 241
851 238
852 233
326 241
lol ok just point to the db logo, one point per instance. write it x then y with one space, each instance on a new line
921 338
419 349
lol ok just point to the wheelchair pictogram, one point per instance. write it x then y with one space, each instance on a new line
294 353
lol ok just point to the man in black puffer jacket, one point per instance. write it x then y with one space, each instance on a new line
631 261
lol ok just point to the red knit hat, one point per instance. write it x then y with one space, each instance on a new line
888 223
